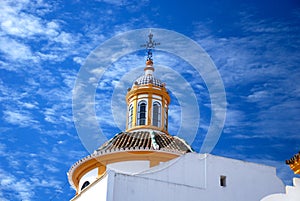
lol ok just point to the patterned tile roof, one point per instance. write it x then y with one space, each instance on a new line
136 141
148 79
145 140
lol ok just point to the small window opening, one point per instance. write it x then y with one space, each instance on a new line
166 118
85 184
156 114
142 114
130 116
223 181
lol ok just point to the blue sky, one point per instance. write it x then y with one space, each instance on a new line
255 46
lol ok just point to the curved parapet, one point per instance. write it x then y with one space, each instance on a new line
292 193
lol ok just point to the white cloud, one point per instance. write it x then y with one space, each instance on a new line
260 70
16 50
23 25
114 2
27 105
14 21
51 168
64 38
131 4
20 118
20 187
26 35
258 96
260 73
79 60
23 188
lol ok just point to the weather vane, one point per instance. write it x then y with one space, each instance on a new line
150 44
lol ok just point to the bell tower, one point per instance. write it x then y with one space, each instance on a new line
145 143
148 99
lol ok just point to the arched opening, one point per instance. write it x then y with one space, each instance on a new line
85 184
142 113
156 117
130 116
166 118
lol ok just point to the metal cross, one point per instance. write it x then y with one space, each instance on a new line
150 44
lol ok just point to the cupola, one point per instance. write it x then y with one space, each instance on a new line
147 103
146 141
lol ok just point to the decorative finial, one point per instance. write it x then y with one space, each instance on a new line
150 44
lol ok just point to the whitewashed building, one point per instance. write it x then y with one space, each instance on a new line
292 193
189 177
147 163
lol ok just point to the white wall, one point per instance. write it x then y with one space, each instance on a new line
90 176
292 193
129 167
190 177
96 191
196 177
245 180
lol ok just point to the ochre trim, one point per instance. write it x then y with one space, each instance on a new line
148 89
136 155
101 171
103 160
295 167
154 163
147 127
80 171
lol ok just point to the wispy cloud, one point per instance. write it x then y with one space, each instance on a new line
27 35
130 5
260 71
23 171
40 55
16 50
21 118
21 188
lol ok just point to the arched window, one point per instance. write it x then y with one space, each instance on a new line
156 117
166 118
142 113
130 116
85 184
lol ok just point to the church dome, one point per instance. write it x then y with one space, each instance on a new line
145 140
145 143
148 79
